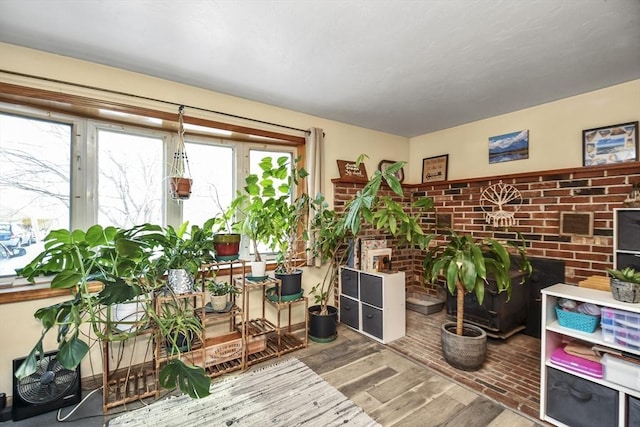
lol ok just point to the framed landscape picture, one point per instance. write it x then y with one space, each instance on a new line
508 147
610 144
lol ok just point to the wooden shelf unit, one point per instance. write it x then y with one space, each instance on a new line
280 337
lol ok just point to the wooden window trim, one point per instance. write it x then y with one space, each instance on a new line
90 108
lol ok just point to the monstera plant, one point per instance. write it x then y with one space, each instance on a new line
125 263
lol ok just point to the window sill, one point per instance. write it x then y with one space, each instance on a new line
21 290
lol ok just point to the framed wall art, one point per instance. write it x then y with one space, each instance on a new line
508 147
352 172
435 168
384 164
610 144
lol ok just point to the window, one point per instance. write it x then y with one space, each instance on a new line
35 185
129 178
213 168
61 171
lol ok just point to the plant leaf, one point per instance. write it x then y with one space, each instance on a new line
72 352
192 380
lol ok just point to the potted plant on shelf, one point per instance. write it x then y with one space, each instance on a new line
467 265
332 232
125 263
178 324
226 239
287 213
625 284
183 253
256 206
220 292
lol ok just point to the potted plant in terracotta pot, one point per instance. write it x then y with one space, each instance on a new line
226 239
467 265
180 181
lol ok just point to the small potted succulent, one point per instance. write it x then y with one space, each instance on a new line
220 292
625 284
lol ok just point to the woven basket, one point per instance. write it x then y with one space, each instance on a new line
578 321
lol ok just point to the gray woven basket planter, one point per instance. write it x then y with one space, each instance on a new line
625 291
467 352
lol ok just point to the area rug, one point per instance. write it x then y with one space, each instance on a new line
286 393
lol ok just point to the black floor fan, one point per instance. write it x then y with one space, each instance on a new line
49 388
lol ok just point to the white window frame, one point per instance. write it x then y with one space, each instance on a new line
83 210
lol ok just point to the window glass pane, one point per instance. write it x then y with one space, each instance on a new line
212 170
35 165
130 189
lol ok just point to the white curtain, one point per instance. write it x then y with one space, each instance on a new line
313 147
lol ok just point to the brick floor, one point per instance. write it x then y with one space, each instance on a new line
510 375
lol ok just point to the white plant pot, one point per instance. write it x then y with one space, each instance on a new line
130 315
218 302
258 268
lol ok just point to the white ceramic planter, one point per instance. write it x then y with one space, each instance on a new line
258 268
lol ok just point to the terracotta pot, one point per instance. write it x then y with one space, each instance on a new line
180 188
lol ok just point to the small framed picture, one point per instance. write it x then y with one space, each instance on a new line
435 168
384 164
610 144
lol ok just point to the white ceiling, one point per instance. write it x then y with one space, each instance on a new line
402 67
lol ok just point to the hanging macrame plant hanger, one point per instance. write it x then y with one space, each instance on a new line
180 175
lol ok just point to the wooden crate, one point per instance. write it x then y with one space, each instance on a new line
227 347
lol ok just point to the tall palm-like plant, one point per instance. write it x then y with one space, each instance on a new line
467 264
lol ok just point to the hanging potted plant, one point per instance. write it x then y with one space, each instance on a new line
180 175
467 265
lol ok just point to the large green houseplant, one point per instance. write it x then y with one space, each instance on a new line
286 207
127 263
368 208
257 204
467 265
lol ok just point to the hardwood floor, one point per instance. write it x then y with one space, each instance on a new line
391 387
396 391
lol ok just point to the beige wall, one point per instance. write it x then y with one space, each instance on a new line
555 134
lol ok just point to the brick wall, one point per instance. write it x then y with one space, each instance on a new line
544 196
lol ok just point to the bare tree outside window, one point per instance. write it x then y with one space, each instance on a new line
35 178
130 179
